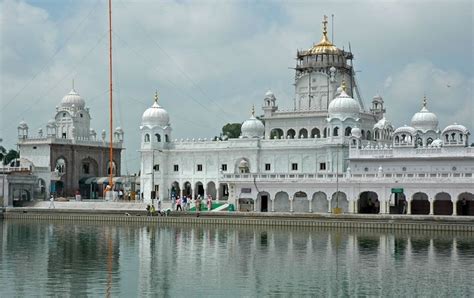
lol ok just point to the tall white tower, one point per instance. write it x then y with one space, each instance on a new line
72 117
155 140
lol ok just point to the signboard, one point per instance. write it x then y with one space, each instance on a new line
246 190
397 190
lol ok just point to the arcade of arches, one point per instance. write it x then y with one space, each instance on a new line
217 192
368 202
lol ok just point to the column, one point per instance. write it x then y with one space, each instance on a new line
193 193
408 207
255 205
455 210
310 202
180 192
291 204
329 206
218 197
273 204
431 207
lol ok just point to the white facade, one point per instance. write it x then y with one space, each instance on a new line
326 151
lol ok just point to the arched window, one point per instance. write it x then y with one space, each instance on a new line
453 136
348 131
447 137
290 134
325 132
335 131
429 141
362 133
315 133
369 135
167 139
303 134
419 142
113 168
158 137
397 140
147 138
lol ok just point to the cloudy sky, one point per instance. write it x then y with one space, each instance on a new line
211 60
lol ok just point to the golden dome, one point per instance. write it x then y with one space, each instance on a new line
324 46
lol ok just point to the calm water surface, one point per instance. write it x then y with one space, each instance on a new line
87 259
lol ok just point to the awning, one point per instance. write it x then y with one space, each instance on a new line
118 179
91 180
102 180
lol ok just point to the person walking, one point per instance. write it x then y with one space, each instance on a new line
51 202
209 203
198 205
178 205
184 203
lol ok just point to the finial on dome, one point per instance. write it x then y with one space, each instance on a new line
424 101
156 96
325 28
343 85
72 84
253 110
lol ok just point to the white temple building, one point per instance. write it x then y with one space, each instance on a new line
328 153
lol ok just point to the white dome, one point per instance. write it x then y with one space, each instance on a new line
355 132
51 123
252 128
405 129
119 129
382 123
269 94
156 116
22 125
343 105
456 127
377 98
436 143
73 99
424 120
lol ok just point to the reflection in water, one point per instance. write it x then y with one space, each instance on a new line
41 259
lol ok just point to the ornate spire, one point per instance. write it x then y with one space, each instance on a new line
343 85
325 26
424 101
324 46
72 84
253 110
156 96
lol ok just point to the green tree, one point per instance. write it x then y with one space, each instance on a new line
3 152
231 130
11 155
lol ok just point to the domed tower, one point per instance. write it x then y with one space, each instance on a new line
72 117
344 112
155 138
269 103
319 71
377 107
426 125
252 127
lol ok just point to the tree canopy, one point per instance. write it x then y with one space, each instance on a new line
230 131
6 157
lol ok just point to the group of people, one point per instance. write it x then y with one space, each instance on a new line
184 203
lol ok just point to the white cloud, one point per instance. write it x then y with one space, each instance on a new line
232 51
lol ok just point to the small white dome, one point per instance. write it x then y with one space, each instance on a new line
343 105
436 143
22 125
377 98
51 123
456 127
382 123
252 128
269 94
424 120
73 99
405 129
156 116
355 132
119 129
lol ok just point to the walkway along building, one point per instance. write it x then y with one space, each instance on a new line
327 151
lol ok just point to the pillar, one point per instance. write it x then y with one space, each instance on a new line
310 202
181 192
431 206
218 195
255 206
193 189
273 204
455 209
291 204
329 206
408 207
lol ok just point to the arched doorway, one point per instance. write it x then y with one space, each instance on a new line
187 189
465 204
20 196
199 189
211 190
442 204
263 201
339 200
320 202
41 188
175 190
281 203
368 203
57 188
420 203
300 202
223 191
